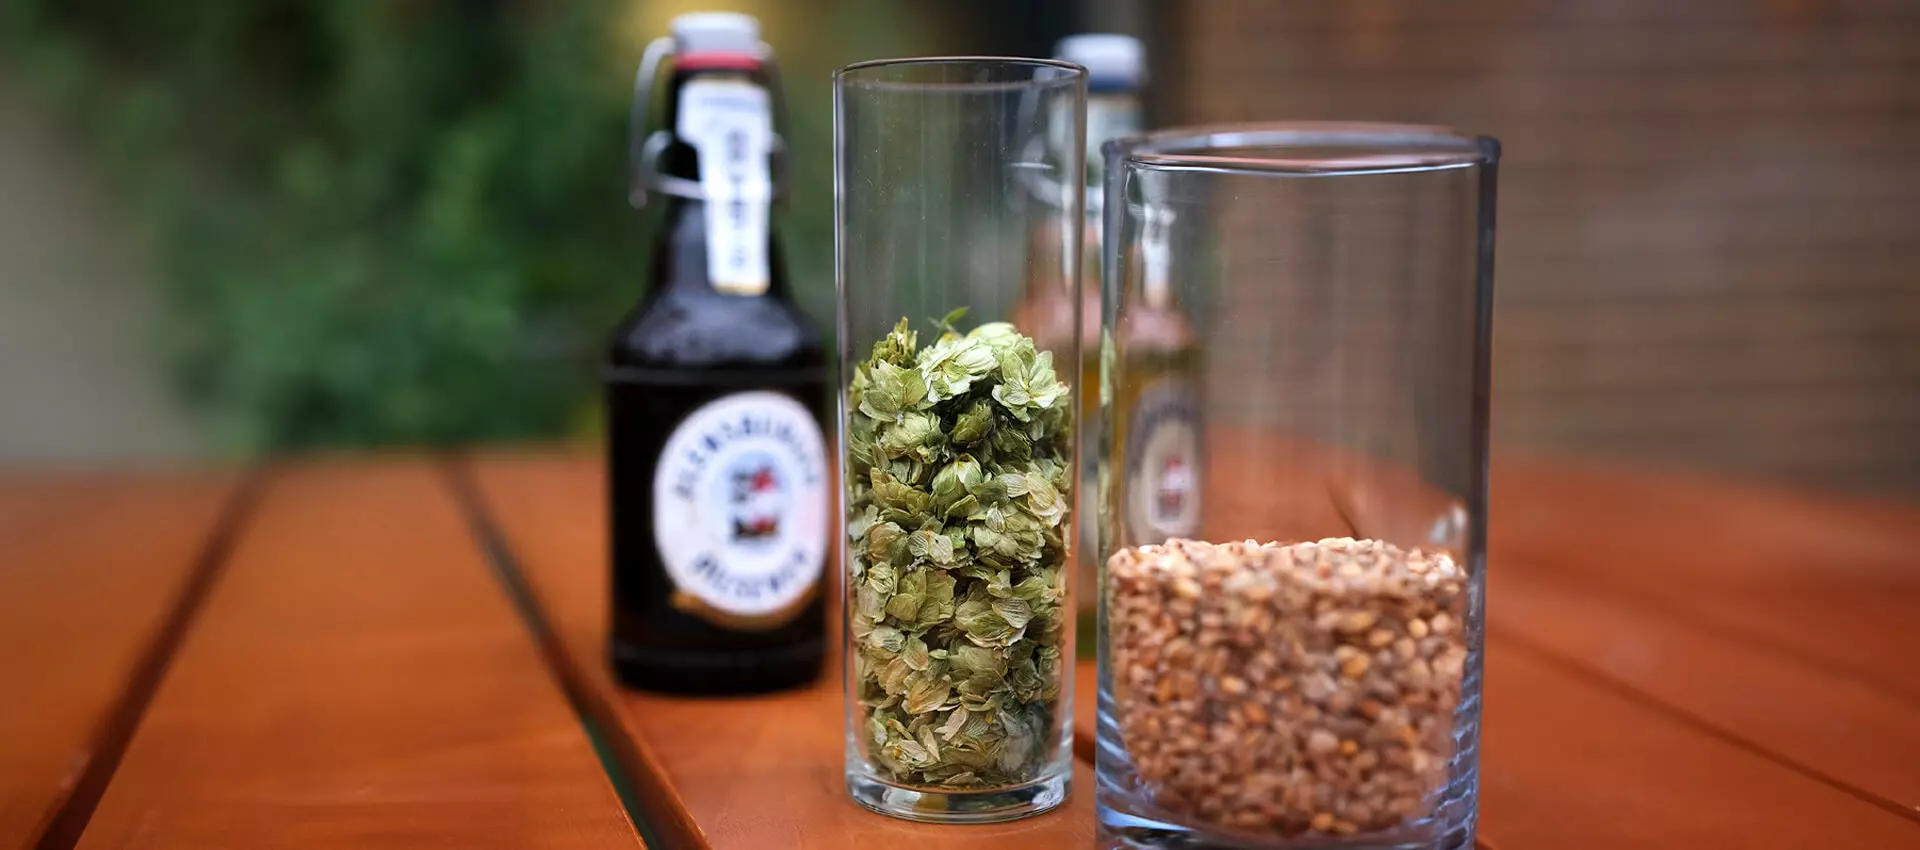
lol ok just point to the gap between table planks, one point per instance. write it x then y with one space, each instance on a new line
100 574
1571 761
1828 726
356 678
1567 763
1607 577
1636 667
1830 582
1815 722
1530 799
750 773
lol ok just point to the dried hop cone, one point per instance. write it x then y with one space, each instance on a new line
958 483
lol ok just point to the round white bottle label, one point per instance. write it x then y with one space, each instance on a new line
740 509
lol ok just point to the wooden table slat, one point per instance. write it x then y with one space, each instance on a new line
93 568
1831 581
1824 723
1674 663
357 678
1536 796
750 773
1568 763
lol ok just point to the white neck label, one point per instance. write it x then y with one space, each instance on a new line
730 125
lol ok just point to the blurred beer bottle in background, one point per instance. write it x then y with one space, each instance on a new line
1116 66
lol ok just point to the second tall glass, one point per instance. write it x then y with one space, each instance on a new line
958 234
1297 320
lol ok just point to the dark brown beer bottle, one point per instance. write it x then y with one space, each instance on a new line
716 394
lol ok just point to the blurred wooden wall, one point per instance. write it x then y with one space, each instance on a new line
1709 247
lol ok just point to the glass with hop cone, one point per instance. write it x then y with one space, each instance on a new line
958 432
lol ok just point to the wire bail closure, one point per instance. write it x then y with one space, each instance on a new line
644 148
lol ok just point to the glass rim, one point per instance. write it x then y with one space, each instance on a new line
1306 148
853 74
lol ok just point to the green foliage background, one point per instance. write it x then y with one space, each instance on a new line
399 221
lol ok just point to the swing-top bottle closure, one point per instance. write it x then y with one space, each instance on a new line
703 41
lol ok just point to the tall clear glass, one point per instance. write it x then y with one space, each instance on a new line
1293 468
955 212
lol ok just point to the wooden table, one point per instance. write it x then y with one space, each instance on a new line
405 652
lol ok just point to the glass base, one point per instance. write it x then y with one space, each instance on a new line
1122 831
930 806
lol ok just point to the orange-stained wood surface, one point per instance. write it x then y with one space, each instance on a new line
1617 691
357 678
1820 721
1672 663
748 773
1569 764
1831 582
1712 726
92 568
